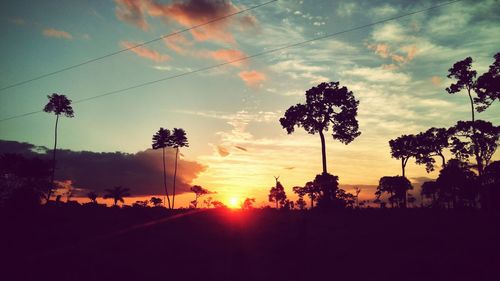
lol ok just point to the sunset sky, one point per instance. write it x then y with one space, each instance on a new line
396 69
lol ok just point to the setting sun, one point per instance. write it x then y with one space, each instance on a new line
233 203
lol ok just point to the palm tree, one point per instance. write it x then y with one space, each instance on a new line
163 139
58 104
117 193
178 139
93 197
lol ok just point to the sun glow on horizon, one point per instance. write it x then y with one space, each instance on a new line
233 202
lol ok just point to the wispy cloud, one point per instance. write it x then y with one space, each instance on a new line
226 55
145 52
56 33
252 78
132 12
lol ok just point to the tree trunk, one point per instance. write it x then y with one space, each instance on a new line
53 162
479 161
175 175
444 160
323 151
403 166
165 179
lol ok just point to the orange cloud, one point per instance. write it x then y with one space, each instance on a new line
51 32
194 12
132 11
398 58
380 49
187 13
226 55
178 43
223 152
411 51
252 78
145 52
436 80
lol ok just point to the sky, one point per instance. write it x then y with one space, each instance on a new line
396 69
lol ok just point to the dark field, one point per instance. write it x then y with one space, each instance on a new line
116 244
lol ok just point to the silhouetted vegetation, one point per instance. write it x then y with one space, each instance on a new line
162 139
247 204
198 192
93 197
59 105
328 106
117 193
156 201
179 139
277 194
23 181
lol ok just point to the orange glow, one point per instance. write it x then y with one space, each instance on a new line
233 203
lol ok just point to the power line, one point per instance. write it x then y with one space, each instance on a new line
246 57
133 47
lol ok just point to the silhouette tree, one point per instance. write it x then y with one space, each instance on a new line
491 184
465 80
457 184
488 86
481 142
357 191
301 203
397 187
218 204
208 202
163 139
404 147
308 189
430 144
141 203
344 199
327 105
326 188
301 192
117 193
430 190
59 105
277 194
93 197
248 204
156 201
178 139
23 181
198 191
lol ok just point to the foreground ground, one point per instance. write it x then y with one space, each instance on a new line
154 244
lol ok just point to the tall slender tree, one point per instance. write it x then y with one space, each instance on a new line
328 105
465 80
403 148
163 139
59 105
178 139
486 87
